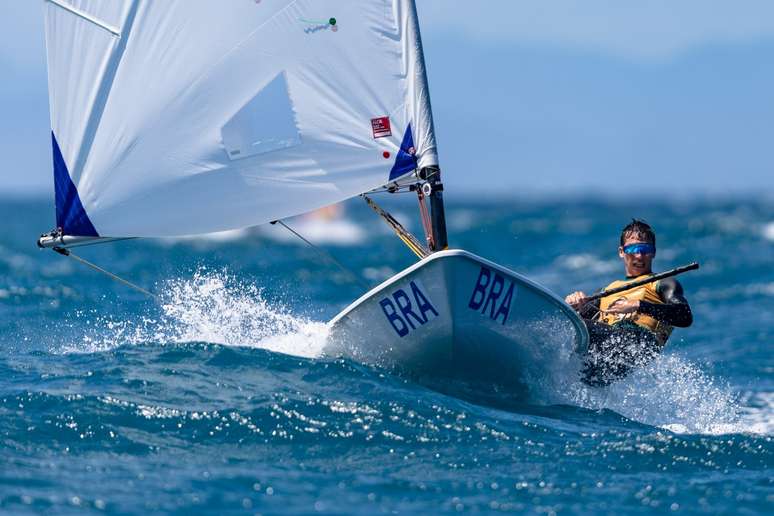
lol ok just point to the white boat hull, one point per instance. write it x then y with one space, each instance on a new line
457 315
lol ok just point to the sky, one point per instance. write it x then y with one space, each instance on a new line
542 96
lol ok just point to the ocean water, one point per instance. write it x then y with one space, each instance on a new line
213 398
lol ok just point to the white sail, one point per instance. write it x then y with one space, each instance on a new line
181 117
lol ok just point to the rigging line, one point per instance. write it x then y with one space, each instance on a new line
391 191
67 252
425 216
395 187
411 245
325 254
100 241
410 240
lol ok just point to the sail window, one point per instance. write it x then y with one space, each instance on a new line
266 123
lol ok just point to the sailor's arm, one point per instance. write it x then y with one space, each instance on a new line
586 309
675 311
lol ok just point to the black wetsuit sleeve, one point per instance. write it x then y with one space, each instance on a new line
675 311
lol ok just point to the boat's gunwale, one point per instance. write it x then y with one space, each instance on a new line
572 315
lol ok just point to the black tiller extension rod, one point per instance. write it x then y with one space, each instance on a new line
667 274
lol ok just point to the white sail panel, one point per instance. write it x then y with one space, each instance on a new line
202 116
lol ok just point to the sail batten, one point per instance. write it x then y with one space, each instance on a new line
77 12
104 83
207 116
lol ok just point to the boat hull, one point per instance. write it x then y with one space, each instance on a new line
457 315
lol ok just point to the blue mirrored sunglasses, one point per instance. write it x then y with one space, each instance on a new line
640 249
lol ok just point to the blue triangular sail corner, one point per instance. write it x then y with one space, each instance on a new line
71 218
406 160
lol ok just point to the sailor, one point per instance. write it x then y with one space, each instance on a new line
629 329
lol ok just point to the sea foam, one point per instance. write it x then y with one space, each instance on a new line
215 307
212 307
670 392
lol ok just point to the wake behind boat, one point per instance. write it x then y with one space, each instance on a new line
172 119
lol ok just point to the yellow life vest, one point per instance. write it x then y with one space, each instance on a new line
645 292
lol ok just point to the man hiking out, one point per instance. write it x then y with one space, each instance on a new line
630 328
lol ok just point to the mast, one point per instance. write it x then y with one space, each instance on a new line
429 170
437 213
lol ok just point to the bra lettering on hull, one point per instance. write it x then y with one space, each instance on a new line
491 296
406 311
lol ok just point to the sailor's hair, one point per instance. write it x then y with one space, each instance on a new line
639 228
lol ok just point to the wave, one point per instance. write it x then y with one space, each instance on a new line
675 394
750 290
768 231
214 307
670 392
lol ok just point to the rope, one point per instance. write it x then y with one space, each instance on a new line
425 216
325 254
410 240
67 252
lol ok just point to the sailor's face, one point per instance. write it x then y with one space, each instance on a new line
636 264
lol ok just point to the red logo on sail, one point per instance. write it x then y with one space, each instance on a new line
381 127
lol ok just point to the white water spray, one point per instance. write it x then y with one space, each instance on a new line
670 392
214 307
211 307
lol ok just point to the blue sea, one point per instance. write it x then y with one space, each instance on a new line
213 398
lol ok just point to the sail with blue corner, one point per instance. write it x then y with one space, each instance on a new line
173 118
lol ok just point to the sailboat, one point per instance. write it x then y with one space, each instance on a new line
181 118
